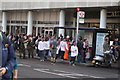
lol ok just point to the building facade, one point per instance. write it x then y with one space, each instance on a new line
33 17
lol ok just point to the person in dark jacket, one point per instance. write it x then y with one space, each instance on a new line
7 58
21 47
30 47
80 49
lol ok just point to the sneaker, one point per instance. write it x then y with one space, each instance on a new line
53 63
41 60
73 64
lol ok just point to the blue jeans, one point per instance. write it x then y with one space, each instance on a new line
46 53
41 54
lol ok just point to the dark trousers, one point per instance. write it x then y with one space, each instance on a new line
72 60
31 53
84 55
62 54
79 57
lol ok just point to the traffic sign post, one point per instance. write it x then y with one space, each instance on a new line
77 26
80 19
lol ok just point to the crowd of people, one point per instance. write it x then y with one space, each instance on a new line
54 47
44 47
50 46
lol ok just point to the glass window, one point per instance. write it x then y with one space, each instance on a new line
8 21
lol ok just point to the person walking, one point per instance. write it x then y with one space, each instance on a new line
74 53
30 47
21 47
63 47
41 49
66 54
47 47
53 49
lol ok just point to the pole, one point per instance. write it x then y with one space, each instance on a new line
77 26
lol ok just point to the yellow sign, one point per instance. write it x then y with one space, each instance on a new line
113 14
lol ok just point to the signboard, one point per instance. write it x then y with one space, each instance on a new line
99 42
113 14
81 15
81 21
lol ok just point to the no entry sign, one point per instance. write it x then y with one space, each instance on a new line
81 14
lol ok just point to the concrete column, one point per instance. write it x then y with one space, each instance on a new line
10 29
4 21
61 22
30 23
103 18
36 31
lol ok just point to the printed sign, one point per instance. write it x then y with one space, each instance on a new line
99 42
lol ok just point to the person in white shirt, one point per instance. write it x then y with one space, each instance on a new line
74 53
47 47
41 49
63 45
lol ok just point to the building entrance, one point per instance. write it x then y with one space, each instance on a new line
18 29
48 32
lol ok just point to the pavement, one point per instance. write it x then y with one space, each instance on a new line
88 63
34 68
